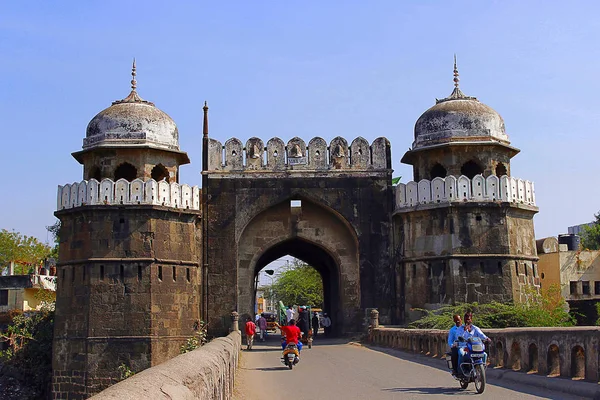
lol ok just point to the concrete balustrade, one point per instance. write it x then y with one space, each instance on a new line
567 352
205 373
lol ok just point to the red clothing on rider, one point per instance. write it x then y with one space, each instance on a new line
250 328
292 333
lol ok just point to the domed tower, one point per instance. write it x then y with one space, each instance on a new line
129 281
464 226
131 139
459 135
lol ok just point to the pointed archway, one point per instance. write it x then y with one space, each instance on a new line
314 234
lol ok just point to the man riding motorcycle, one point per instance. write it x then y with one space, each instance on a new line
292 335
469 330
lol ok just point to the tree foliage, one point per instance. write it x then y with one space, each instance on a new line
24 251
29 356
55 231
590 237
300 285
547 309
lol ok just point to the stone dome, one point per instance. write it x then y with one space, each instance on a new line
459 118
126 124
132 122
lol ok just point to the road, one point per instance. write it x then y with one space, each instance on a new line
337 369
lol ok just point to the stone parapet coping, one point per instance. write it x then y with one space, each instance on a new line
205 373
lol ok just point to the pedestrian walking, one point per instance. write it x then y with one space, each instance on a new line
250 330
262 325
326 323
315 324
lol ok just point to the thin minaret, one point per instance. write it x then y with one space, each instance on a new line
205 124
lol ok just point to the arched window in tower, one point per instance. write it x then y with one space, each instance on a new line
94 173
438 171
501 169
159 173
470 169
125 171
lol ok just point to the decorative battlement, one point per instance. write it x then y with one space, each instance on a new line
463 189
108 192
296 155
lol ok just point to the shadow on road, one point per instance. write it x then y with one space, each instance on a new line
493 378
429 391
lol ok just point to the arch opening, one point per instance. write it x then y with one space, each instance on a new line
159 172
578 363
125 171
438 171
305 254
499 355
515 356
94 173
501 169
470 169
553 360
533 358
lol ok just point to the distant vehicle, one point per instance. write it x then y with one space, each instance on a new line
271 319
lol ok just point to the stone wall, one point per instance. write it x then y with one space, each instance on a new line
206 373
248 190
567 352
463 252
122 296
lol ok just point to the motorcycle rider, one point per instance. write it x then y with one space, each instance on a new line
452 337
469 330
292 335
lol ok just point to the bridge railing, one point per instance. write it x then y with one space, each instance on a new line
205 373
568 352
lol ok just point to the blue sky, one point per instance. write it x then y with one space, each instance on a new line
311 68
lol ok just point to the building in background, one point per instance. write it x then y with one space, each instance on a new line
576 272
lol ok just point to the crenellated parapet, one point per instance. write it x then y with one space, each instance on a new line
463 189
234 156
108 192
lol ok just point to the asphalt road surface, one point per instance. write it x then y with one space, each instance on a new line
335 369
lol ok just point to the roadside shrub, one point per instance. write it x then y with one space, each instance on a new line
198 339
547 309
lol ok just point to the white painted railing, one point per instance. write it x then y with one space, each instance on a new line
463 189
108 192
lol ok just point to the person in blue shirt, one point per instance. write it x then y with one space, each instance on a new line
469 330
452 337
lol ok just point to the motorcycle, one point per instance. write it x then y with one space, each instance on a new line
472 368
290 355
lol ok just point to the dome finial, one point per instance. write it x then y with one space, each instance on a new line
133 97
456 94
134 82
456 78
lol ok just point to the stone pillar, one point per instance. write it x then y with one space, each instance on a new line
374 319
235 317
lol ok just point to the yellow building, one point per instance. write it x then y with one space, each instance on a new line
576 272
20 292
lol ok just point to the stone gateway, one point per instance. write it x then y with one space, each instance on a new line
144 258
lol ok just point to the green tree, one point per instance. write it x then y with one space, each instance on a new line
24 251
590 238
301 284
55 231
